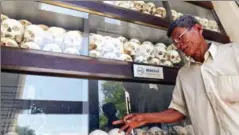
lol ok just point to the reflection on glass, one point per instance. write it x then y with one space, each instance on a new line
40 105
112 103
144 98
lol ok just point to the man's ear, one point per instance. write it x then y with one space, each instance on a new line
199 28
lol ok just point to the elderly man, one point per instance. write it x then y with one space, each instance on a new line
207 87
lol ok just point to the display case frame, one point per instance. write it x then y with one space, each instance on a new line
65 65
15 60
84 66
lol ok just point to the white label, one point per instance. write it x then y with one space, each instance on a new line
144 71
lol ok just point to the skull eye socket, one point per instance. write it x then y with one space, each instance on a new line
15 28
148 50
172 57
160 53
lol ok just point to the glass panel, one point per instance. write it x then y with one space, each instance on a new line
44 27
203 15
152 8
142 98
44 111
41 105
119 40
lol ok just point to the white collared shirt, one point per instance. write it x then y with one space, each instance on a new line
203 89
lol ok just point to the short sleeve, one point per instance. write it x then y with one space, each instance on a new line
178 100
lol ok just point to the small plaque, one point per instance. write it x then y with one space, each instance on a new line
144 71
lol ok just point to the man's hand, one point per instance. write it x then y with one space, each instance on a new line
132 121
136 120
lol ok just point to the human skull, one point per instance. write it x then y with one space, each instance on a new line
179 14
111 55
147 42
123 40
161 45
13 29
30 45
96 41
189 129
149 8
44 27
167 63
174 56
135 40
131 48
52 48
3 17
126 57
198 19
8 42
112 45
25 23
180 130
204 22
171 47
140 132
147 50
139 5
174 14
109 2
131 6
213 25
161 12
94 53
123 4
57 34
160 52
115 132
71 51
73 39
141 59
154 61
155 131
98 132
34 33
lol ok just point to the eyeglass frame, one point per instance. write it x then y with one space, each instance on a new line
179 38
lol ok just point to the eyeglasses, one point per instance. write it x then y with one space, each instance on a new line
179 38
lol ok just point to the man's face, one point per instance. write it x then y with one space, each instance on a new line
190 39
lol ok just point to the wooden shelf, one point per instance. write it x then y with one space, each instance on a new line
132 16
66 65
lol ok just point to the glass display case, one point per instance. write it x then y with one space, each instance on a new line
203 15
68 67
34 104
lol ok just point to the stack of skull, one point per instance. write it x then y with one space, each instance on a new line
141 6
133 50
176 130
206 23
24 34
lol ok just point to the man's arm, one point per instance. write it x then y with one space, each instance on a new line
132 121
168 116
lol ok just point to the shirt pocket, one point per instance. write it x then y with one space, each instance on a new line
227 88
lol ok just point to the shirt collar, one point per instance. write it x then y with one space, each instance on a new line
210 52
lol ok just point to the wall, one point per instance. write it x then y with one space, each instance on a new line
228 13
